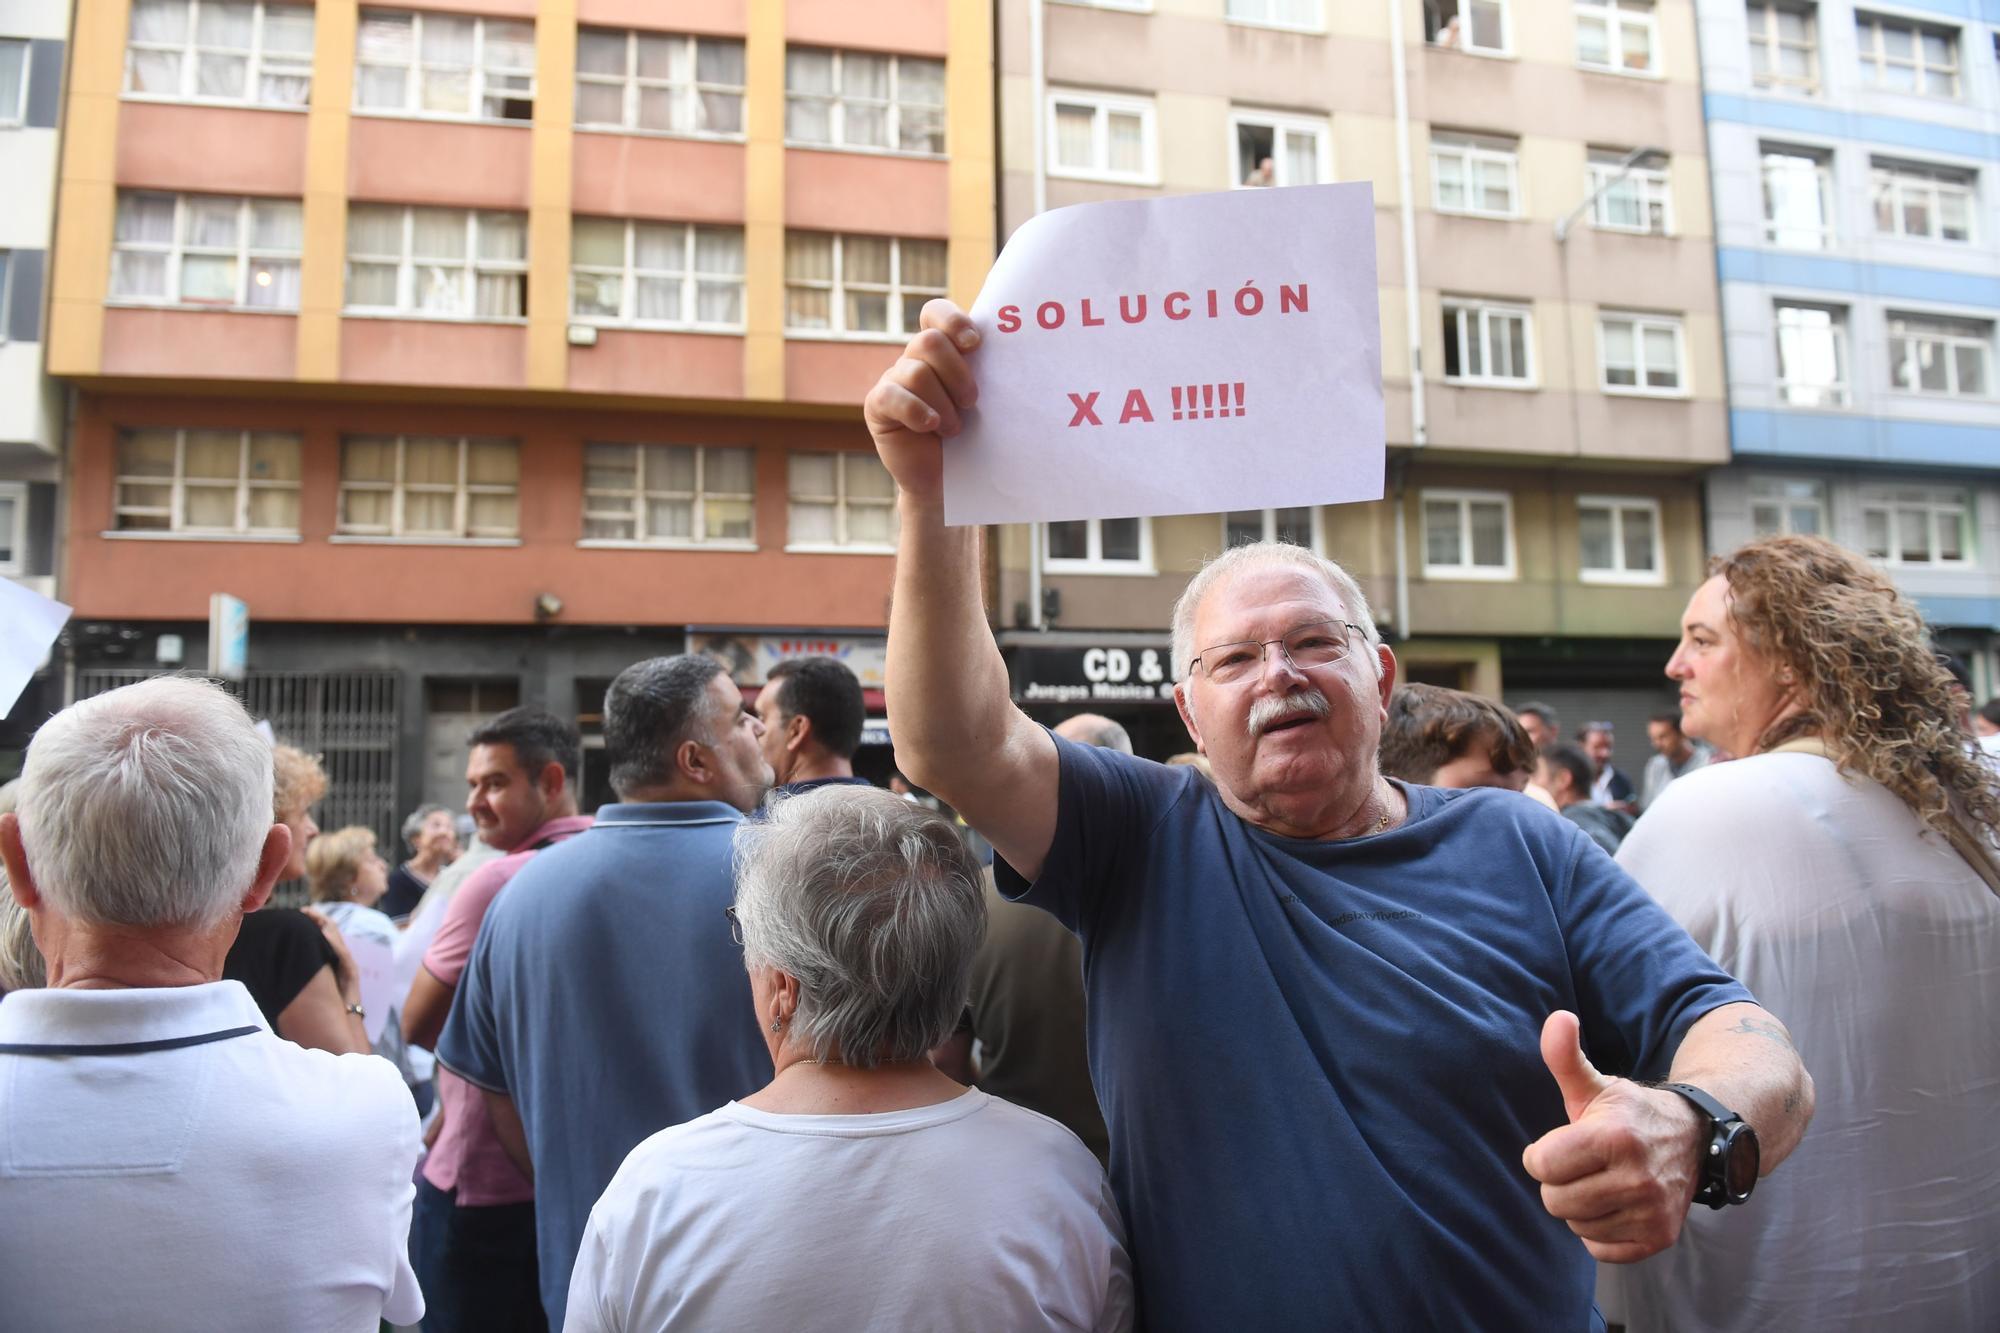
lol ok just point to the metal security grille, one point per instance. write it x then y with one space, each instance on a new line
346 718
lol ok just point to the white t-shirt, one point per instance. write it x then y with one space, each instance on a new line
238 1184
971 1214
1879 947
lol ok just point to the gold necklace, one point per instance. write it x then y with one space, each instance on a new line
1387 808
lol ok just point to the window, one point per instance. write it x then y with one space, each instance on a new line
445 65
1640 199
1929 203
843 501
1899 56
1798 198
1640 354
220 51
206 250
859 286
1917 526
1280 150
13 87
1275 13
1099 546
668 494
1469 534
1783 46
656 274
670 84
1787 507
1485 343
439 263
1298 525
1812 355
1617 35
242 483
1473 174
1619 540
1479 26
441 488
1102 137
1935 355
852 99
13 527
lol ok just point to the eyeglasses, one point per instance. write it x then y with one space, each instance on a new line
735 925
1319 644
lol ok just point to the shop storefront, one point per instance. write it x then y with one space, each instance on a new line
1125 677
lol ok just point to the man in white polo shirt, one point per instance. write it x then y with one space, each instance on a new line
166 1161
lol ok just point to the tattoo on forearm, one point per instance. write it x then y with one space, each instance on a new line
1762 1027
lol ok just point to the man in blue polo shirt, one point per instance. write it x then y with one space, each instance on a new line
1334 1019
605 998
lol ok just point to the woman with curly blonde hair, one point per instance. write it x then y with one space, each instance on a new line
1843 868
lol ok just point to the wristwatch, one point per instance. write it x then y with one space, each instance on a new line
1730 1159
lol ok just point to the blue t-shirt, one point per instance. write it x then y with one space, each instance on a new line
605 995
1320 1061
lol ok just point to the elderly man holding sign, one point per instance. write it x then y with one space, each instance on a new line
1338 1024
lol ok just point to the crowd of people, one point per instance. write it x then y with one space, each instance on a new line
1388 1007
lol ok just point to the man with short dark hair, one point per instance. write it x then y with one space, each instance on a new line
1540 722
812 710
1448 738
1608 787
1674 756
605 999
473 1241
1564 771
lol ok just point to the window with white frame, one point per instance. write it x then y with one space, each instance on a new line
1787 507
1474 173
668 83
1900 55
1640 354
1098 546
212 250
1276 13
1102 136
13 527
840 501
1935 354
1298 525
1621 35
859 286
452 65
1486 342
1927 203
1280 150
438 263
656 274
1133 6
429 487
1479 26
1619 539
1798 197
1917 526
668 494
1812 354
220 51
13 80
1637 198
1468 534
1784 46
241 483
858 99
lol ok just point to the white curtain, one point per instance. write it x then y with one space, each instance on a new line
161 21
659 247
1301 158
598 243
274 284
276 224
438 233
225 26
657 299
502 295
503 236
146 218
601 51
719 62
1127 141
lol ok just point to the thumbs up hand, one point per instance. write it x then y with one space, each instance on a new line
1622 1172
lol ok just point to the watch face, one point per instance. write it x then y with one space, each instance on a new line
1741 1158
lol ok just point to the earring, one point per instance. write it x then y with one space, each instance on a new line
777 1025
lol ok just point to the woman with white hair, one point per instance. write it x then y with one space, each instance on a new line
861 1188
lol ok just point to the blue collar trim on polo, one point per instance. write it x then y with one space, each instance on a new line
125 1016
678 814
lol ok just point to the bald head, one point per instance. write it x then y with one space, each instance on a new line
1095 729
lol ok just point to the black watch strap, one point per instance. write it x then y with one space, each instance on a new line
1716 1112
1728 1135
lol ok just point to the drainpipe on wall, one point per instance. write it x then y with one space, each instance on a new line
1037 102
1412 304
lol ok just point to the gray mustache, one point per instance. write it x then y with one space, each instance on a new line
1268 711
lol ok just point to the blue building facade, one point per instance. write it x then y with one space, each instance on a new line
1855 150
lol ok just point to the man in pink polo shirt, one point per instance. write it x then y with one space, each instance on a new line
472 1240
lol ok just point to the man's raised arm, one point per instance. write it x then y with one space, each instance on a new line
957 731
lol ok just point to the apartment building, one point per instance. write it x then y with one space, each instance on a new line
1856 158
483 347
32 38
1552 356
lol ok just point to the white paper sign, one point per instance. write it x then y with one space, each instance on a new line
1184 355
29 623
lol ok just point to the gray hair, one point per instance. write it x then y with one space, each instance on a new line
1265 555
1095 729
649 710
413 825
147 806
874 906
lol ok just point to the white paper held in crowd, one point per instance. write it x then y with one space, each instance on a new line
29 623
1180 355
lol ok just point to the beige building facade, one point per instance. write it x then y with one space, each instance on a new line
1551 346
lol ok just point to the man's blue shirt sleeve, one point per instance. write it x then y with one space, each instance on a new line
470 1044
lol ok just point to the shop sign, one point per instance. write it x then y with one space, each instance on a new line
1093 675
750 657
